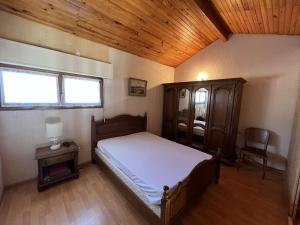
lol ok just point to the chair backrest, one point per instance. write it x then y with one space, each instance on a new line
257 135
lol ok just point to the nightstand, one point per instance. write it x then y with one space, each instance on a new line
56 165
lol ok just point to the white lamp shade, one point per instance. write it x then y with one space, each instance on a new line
53 127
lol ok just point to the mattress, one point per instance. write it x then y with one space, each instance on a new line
151 162
128 182
196 129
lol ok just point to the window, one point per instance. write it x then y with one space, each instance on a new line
201 97
22 87
81 91
28 88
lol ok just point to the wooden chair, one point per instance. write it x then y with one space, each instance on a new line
255 136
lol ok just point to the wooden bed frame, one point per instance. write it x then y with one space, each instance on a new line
174 202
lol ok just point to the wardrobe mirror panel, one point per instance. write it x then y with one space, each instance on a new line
200 119
183 115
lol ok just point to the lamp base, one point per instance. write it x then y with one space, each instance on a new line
55 147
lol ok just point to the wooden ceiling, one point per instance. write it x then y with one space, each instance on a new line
261 16
166 31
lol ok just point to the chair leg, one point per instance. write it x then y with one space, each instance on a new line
265 161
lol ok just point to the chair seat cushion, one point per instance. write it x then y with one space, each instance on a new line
255 151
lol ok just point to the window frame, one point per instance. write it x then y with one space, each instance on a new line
46 106
63 99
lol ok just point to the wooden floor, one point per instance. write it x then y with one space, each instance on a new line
241 198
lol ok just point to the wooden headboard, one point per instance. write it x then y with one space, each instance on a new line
115 127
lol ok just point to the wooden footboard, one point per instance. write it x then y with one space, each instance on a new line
174 202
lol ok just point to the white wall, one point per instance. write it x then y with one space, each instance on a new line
294 161
270 63
20 131
16 53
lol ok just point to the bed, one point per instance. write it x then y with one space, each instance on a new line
183 172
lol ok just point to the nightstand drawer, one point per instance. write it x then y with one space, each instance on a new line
57 159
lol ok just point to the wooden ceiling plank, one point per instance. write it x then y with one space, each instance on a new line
61 22
294 18
235 15
195 19
255 17
66 6
142 42
264 16
259 15
188 22
244 9
163 45
180 27
269 10
199 13
297 31
224 14
198 17
187 18
275 6
238 16
174 21
198 49
162 34
116 38
288 16
212 14
178 17
226 8
282 8
110 25
166 31
244 17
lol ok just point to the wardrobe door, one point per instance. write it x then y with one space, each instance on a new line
169 117
201 95
183 115
221 109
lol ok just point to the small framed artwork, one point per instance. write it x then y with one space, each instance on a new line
137 87
182 93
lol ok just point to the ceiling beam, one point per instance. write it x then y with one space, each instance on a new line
210 11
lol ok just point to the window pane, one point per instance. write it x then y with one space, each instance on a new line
81 90
200 97
26 87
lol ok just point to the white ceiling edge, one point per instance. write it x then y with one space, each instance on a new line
16 53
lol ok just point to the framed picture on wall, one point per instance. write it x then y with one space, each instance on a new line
137 87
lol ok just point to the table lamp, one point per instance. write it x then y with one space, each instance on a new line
54 131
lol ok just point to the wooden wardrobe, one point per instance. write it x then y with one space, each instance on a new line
204 115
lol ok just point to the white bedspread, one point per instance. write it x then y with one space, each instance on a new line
151 161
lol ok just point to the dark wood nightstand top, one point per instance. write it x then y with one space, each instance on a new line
46 152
